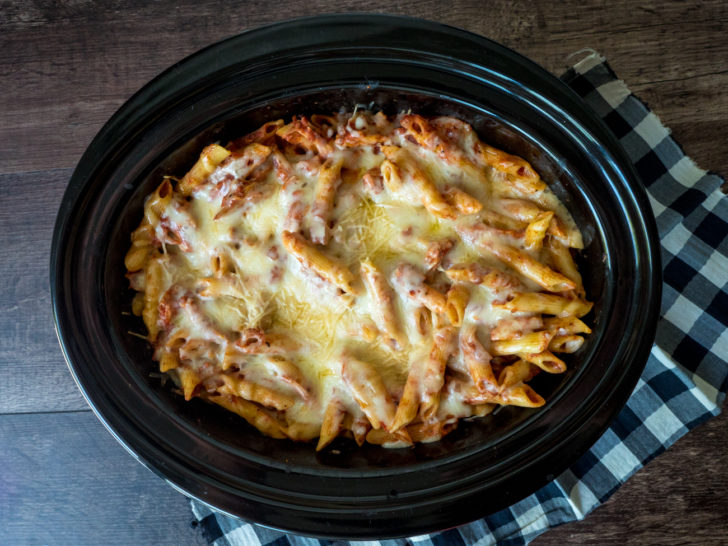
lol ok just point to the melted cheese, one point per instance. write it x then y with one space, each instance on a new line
266 287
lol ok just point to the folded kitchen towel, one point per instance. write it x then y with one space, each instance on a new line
686 377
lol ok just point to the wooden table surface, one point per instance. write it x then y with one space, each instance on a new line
67 66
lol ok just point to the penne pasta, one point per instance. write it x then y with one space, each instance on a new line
503 221
535 342
548 304
168 361
546 361
357 275
389 439
515 327
158 202
408 172
475 273
253 414
432 431
215 287
566 344
300 133
456 301
521 209
418 130
358 424
484 237
368 390
256 341
477 359
566 325
329 179
265 134
234 358
462 201
409 403
333 423
536 230
560 257
433 376
137 257
188 379
423 321
383 311
518 372
301 431
288 373
436 251
518 173
523 396
532 269
209 159
391 175
153 286
254 392
137 304
313 259
411 284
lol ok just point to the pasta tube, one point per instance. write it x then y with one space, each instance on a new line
329 179
318 262
410 282
433 377
457 300
383 309
425 188
550 304
253 414
369 391
477 359
210 158
332 424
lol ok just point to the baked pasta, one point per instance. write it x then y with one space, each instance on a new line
358 275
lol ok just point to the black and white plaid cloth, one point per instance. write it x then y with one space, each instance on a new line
686 377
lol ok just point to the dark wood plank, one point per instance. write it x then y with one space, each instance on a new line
65 480
649 42
692 108
678 498
69 66
33 373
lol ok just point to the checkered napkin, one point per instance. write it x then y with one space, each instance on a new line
686 377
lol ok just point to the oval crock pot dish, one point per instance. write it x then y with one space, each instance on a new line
374 64
359 275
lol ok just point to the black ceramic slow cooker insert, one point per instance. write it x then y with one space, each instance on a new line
323 64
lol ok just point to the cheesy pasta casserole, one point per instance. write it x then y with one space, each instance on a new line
358 275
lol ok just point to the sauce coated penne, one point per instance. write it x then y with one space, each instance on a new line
359 276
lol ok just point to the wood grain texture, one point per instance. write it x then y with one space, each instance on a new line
65 480
33 373
692 108
68 65
678 498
